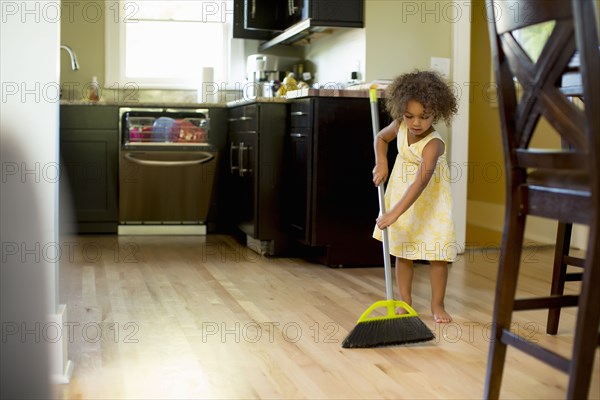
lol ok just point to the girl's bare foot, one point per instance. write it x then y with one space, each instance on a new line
440 315
401 310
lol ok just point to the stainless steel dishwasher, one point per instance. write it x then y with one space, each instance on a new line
166 171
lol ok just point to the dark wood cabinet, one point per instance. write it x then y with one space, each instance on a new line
349 13
89 147
300 174
267 15
257 134
239 24
287 21
331 203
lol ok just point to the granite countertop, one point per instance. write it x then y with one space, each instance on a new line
326 92
174 104
148 104
252 100
293 94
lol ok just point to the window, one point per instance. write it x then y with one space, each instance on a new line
166 44
533 38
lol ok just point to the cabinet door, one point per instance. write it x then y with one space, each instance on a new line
335 12
89 160
300 176
239 29
243 148
243 140
267 15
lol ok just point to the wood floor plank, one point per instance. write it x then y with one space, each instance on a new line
205 317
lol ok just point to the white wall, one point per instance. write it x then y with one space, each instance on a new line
399 36
29 72
336 55
404 35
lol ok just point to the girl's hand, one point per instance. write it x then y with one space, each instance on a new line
380 174
385 220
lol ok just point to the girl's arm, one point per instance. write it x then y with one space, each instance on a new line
431 152
386 135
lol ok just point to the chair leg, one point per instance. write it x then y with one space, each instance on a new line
563 243
506 287
588 322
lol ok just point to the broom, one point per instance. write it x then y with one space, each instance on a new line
392 328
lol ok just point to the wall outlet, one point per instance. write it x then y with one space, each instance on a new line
441 65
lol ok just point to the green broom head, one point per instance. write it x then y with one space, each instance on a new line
388 330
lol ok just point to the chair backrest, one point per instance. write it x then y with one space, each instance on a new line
574 36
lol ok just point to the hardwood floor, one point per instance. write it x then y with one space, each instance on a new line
204 317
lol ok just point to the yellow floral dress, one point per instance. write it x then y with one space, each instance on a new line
426 230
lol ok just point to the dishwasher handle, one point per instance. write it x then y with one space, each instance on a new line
160 163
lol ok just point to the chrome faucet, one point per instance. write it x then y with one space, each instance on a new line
74 63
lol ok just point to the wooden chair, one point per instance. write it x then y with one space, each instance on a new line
560 184
562 255
560 274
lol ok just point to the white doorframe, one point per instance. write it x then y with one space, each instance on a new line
459 149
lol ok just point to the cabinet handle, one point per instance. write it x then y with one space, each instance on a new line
298 135
299 113
232 119
232 167
245 118
253 9
243 169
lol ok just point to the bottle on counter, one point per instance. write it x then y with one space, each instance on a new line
94 90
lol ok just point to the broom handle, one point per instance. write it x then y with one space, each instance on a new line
381 192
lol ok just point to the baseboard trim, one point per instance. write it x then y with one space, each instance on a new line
537 229
192 230
61 366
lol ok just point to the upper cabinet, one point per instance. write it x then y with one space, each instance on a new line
239 24
284 22
272 16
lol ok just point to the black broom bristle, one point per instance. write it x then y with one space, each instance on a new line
387 332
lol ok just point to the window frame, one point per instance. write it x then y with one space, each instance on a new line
115 51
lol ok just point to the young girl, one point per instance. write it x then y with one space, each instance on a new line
418 199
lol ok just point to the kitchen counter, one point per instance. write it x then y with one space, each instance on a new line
326 92
301 93
359 91
149 104
292 94
183 104
249 100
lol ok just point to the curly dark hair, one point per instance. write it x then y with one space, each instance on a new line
426 87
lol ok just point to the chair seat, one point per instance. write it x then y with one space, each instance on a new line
561 195
578 181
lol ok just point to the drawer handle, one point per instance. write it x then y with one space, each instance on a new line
156 163
232 119
245 118
231 166
298 135
299 113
